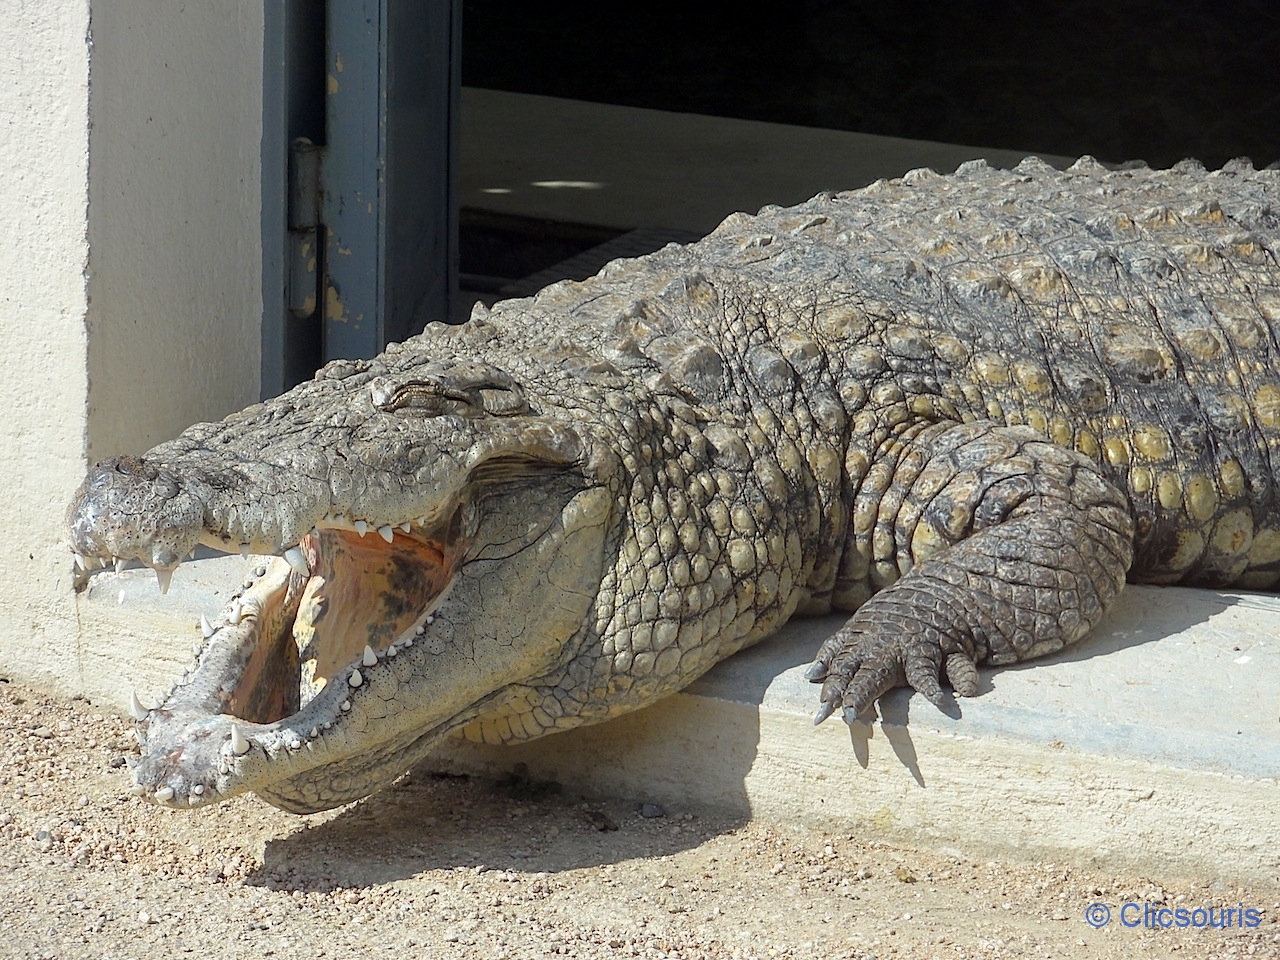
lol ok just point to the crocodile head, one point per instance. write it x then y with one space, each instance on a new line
438 544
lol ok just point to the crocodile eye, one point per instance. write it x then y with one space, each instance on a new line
461 388
425 397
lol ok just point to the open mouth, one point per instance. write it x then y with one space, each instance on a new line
345 597
325 677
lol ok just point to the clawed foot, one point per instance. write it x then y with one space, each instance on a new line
855 668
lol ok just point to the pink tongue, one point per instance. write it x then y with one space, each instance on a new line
363 591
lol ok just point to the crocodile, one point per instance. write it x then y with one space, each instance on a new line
964 409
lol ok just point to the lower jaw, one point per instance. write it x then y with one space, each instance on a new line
277 645
277 675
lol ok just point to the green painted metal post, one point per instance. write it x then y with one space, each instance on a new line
359 147
389 217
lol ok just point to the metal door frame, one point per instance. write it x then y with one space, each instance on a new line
359 230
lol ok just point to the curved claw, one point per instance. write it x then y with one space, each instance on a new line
923 667
826 709
857 667
962 674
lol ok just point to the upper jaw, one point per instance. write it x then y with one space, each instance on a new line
206 488
130 508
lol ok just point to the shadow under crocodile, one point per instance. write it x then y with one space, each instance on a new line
1163 655
431 820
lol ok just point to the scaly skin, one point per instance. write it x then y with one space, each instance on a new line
962 408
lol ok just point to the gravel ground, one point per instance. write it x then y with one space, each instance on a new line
456 867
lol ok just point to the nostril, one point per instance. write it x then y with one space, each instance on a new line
134 508
135 468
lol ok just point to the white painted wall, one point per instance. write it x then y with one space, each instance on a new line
44 136
130 298
175 256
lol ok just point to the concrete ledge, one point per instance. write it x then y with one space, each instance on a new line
1154 745
134 639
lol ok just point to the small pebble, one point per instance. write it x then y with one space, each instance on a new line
651 811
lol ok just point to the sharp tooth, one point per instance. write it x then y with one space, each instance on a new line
392 651
355 679
407 642
198 789
422 521
239 742
345 705
314 733
120 564
81 562
164 794
406 526
386 533
140 736
237 613
206 627
419 630
244 550
298 561
164 576
370 658
193 800
136 708
327 725
340 519
361 527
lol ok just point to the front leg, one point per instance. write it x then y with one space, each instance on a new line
1035 545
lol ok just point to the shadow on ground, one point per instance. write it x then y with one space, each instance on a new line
431 821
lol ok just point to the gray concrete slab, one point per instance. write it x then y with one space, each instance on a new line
1179 676
1154 744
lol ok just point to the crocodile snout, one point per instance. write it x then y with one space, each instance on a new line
129 508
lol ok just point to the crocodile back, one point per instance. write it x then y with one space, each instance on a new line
1129 314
